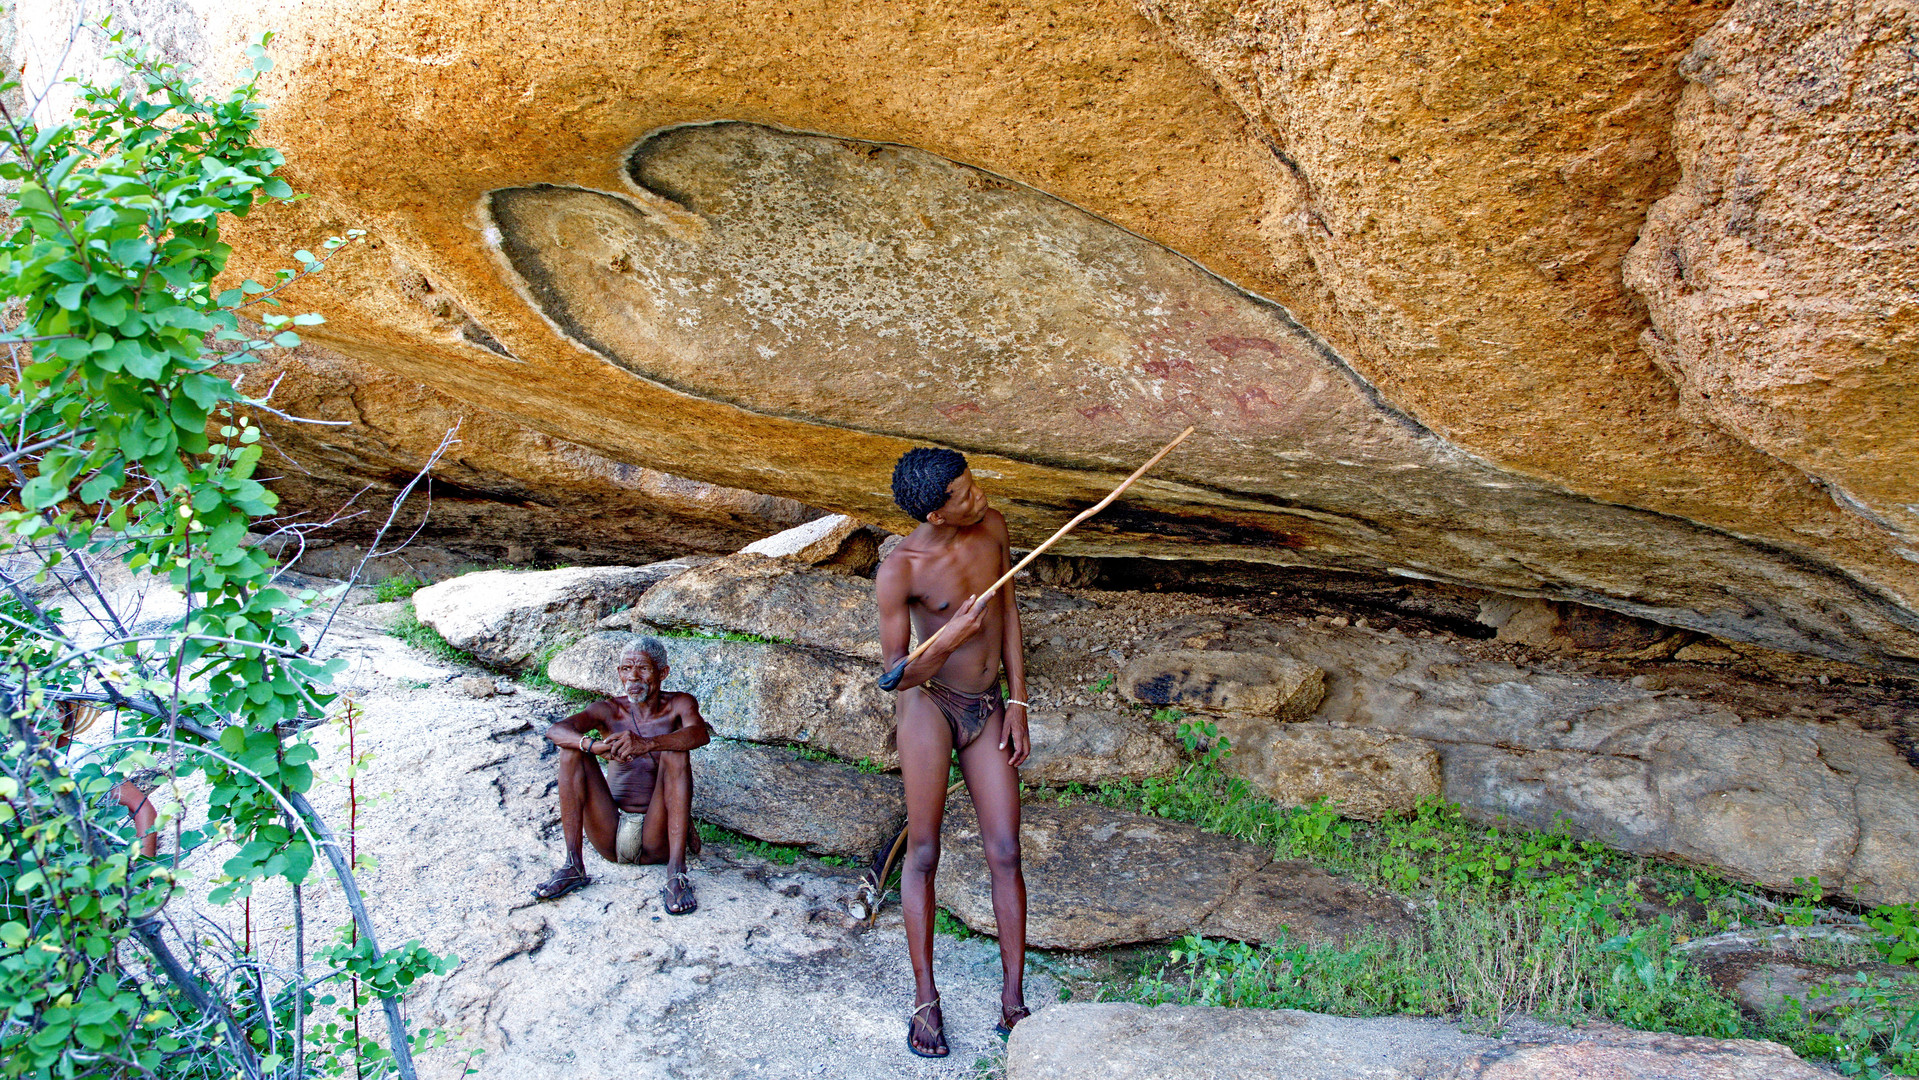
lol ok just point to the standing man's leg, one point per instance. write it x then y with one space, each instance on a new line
586 811
926 753
994 786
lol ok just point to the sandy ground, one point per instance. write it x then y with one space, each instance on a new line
768 978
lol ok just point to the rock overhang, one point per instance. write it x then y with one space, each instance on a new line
1505 329
874 289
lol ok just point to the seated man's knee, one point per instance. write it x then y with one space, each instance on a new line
675 763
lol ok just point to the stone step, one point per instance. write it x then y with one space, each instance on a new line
1098 877
1114 1041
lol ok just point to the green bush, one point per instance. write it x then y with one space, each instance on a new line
122 443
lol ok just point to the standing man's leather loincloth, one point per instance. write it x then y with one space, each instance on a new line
631 784
966 714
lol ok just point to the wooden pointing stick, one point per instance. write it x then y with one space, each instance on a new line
891 679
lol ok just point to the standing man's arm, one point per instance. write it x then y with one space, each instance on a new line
892 592
1013 659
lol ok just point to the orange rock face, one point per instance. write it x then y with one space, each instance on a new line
1374 254
500 492
1782 272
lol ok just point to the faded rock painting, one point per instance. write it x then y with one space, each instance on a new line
887 290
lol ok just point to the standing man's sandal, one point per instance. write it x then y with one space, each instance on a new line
935 1044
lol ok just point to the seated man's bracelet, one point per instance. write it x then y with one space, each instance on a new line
1016 701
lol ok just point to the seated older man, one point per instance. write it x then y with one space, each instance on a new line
645 735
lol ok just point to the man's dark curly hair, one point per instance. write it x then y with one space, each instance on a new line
920 478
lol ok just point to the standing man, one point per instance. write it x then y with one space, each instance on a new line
949 700
646 737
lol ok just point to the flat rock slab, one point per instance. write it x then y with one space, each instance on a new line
1298 899
507 618
1246 684
1610 1053
1097 877
1091 746
768 793
833 540
1133 1042
774 598
1762 980
1366 774
756 692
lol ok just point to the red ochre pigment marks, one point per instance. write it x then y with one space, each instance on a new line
1178 365
1094 413
957 409
1235 347
1252 397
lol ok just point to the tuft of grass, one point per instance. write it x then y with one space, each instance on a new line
410 629
717 635
783 854
808 753
397 587
536 678
1515 921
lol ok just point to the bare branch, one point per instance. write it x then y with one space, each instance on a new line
447 441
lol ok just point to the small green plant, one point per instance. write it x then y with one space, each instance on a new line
397 587
1898 925
783 854
1878 1020
945 922
1803 909
1316 825
1104 683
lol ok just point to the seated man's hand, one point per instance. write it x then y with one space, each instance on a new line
624 746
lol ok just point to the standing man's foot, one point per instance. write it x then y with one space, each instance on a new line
926 1031
564 880
678 896
1009 1018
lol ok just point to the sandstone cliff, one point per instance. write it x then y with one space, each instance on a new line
1605 303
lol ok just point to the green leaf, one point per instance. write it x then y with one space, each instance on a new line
108 309
134 251
69 297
